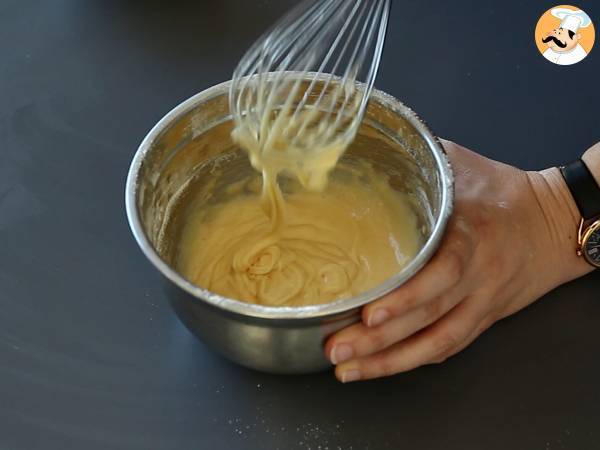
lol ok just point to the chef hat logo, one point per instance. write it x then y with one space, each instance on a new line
570 19
565 35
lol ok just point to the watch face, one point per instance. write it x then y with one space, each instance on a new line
591 246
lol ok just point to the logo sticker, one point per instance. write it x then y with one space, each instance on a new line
565 35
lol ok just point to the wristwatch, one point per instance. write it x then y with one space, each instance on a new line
586 193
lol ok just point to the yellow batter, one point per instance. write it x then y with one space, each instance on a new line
312 247
322 242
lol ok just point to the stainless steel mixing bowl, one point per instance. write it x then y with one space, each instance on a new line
180 153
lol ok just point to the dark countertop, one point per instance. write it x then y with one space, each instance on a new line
92 357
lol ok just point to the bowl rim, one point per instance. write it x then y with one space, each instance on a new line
289 312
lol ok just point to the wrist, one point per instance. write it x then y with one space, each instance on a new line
562 220
591 158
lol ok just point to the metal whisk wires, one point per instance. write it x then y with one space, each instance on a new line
338 43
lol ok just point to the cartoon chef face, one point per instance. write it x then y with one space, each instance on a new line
562 42
561 39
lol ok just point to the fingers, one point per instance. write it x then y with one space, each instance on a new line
444 338
451 147
439 276
484 325
359 340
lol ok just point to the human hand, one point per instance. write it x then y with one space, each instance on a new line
511 239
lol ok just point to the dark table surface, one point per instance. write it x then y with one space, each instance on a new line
92 357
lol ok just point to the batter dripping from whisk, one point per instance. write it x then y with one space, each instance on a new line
317 244
313 246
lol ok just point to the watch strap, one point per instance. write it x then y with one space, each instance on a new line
583 187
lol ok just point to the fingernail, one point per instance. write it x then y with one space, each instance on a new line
341 353
351 375
378 317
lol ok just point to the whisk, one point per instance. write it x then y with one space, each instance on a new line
299 85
